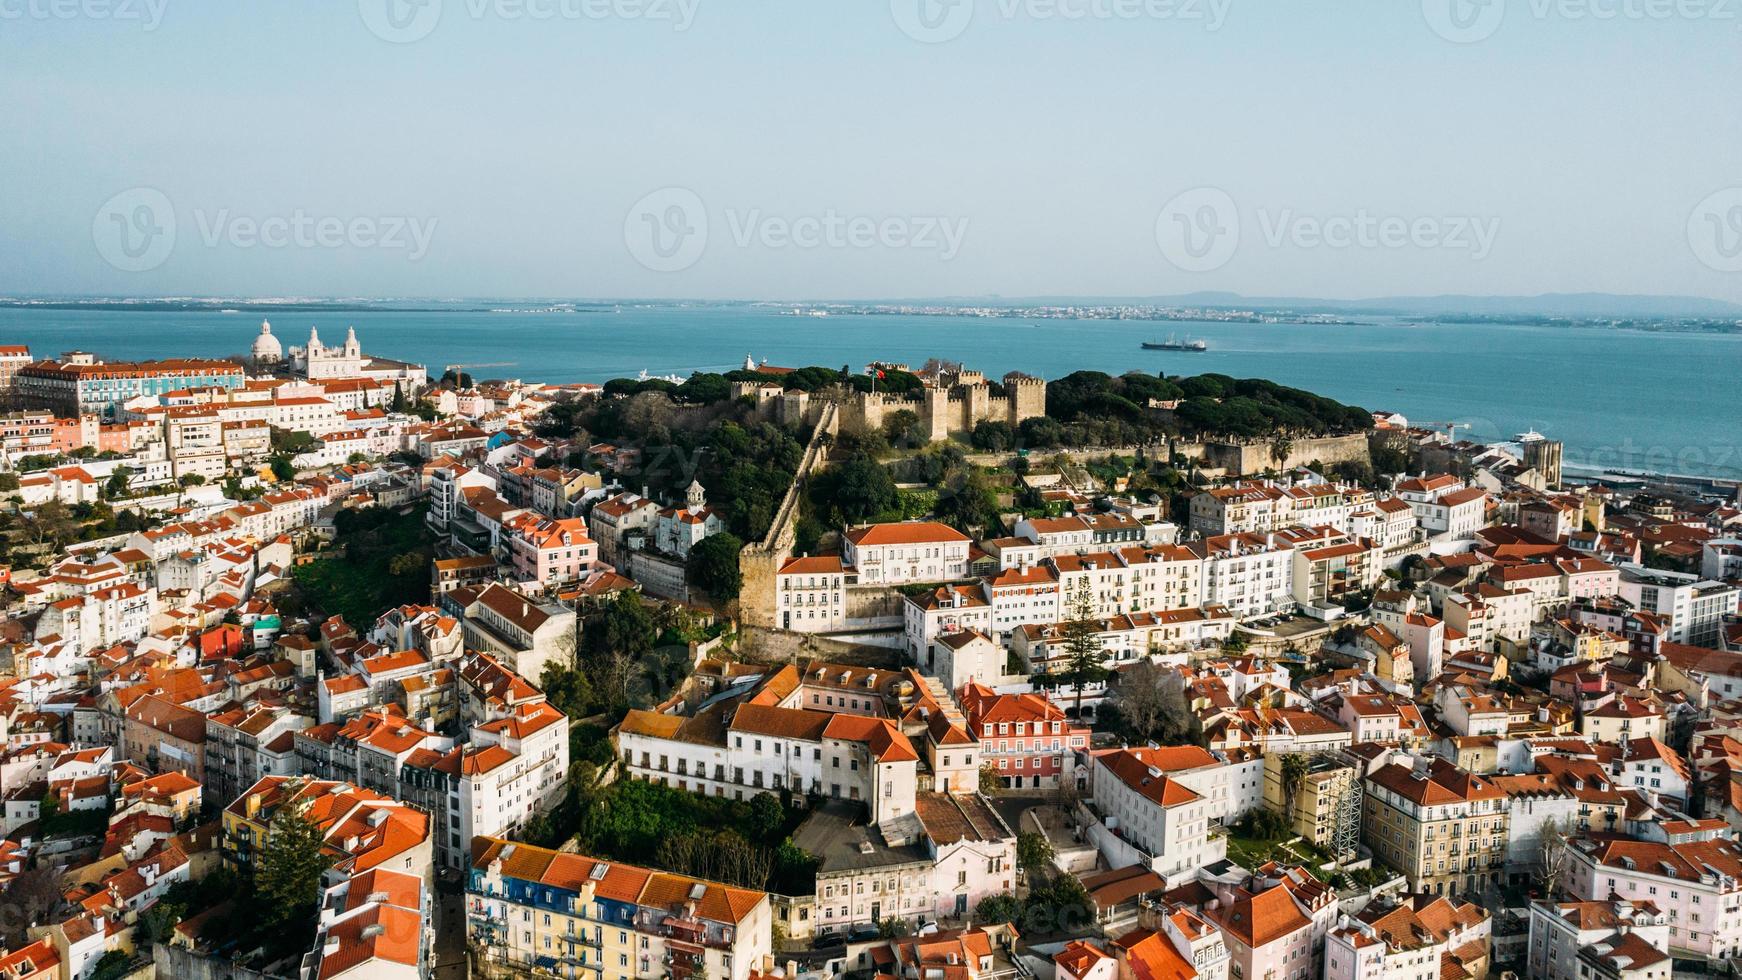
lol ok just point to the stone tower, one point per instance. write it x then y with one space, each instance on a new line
1027 397
937 413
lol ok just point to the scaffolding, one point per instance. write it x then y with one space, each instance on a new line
1346 834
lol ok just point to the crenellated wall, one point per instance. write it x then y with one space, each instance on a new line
944 411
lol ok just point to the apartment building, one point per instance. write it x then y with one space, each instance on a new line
1140 804
1095 584
915 551
12 358
1041 648
574 916
26 433
1489 616
1164 577
951 853
811 594
1330 567
1427 938
1693 608
371 926
944 609
1251 574
1021 597
1444 828
835 731
1698 884
618 523
1569 939
1389 522
511 769
522 633
364 830
243 742
1624 718
82 385
1271 932
1026 736
1324 803
1250 508
550 552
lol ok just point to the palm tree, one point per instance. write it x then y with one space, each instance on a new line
1280 448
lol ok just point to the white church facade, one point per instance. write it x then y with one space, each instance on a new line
318 362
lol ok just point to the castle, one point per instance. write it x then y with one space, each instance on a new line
953 401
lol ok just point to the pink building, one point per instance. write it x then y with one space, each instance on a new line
1025 735
551 552
1267 936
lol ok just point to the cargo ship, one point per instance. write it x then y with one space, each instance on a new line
1174 343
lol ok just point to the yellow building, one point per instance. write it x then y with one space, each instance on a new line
1443 827
530 908
1325 803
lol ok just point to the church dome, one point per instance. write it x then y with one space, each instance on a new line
266 346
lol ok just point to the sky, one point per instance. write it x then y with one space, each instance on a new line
867 149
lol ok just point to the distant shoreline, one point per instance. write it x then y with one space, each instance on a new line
1087 312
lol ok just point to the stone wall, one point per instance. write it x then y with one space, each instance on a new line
1246 459
758 644
873 607
759 563
660 576
173 961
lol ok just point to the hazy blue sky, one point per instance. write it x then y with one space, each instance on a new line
503 154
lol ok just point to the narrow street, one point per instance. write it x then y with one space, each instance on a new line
448 959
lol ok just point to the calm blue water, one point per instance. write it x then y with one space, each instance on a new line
1666 402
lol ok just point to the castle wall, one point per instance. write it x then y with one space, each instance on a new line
943 412
1245 459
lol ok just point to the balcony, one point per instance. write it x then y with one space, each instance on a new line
581 939
687 932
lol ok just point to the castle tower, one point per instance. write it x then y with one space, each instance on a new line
976 402
1027 397
936 416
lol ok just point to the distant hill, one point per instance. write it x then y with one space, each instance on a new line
1577 305
1549 304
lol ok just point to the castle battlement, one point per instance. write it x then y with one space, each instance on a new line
951 403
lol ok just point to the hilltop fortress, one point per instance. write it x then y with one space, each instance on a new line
953 401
